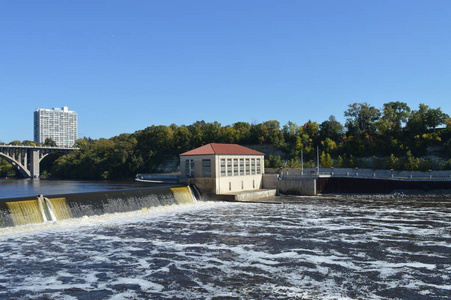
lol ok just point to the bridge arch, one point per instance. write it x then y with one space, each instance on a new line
21 168
26 159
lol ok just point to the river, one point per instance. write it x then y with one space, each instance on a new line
310 248
14 188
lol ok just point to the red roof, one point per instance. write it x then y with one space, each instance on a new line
227 149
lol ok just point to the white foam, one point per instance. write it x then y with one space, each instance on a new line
145 285
319 256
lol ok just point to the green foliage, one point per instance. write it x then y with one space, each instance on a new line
361 118
274 161
326 161
394 114
6 169
331 129
50 142
393 137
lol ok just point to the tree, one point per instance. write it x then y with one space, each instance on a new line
435 117
49 142
211 132
312 129
394 114
326 161
424 119
274 161
290 132
227 134
28 143
361 118
242 131
331 129
182 137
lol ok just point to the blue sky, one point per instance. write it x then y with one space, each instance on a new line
126 65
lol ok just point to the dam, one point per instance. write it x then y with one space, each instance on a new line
41 208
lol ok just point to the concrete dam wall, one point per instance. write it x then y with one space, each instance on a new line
40 209
368 185
290 186
309 185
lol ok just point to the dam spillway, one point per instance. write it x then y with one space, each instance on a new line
41 209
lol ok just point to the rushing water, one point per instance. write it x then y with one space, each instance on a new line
311 249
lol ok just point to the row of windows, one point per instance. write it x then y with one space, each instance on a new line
229 167
206 167
240 166
60 126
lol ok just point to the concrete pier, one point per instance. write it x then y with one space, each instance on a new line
248 195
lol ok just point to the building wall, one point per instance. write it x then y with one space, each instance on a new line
58 124
226 172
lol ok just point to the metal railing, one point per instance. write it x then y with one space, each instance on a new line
368 174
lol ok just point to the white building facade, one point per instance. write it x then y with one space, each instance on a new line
61 125
223 168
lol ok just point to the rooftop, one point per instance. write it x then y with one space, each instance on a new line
225 149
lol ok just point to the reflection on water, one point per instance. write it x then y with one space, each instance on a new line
14 188
314 249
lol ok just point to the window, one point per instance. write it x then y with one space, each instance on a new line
223 167
248 169
241 166
229 167
253 166
206 168
189 167
187 172
192 168
235 167
259 169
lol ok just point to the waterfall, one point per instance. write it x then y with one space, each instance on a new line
183 195
58 207
195 192
26 212
22 211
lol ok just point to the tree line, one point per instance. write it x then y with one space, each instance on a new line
392 137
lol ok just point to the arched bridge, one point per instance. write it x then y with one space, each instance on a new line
27 158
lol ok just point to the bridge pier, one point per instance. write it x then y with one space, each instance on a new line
34 163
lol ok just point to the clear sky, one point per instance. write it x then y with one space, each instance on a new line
123 65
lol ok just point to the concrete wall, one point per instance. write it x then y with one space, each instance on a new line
297 186
230 184
270 181
206 186
371 185
254 195
303 186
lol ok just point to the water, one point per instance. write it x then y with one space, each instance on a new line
311 249
14 188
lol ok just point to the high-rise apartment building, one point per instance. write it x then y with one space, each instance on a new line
58 124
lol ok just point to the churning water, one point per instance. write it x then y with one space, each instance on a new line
312 249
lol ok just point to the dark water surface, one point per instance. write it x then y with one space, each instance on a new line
14 188
314 249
